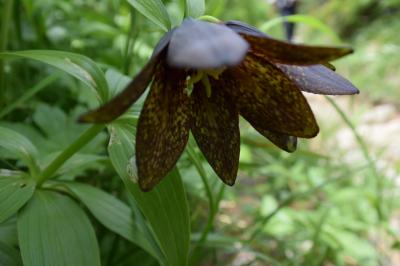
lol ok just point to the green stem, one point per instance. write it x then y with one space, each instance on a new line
29 94
78 144
213 205
203 175
5 25
130 41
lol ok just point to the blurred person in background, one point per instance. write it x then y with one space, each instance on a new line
287 8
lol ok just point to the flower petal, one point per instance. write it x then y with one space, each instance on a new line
284 52
204 45
216 130
163 127
282 141
119 104
269 100
318 79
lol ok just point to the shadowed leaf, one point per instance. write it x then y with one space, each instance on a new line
9 256
53 230
14 193
216 130
153 10
114 214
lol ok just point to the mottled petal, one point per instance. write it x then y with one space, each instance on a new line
216 130
330 66
269 100
243 28
284 52
163 127
285 142
204 45
318 79
120 103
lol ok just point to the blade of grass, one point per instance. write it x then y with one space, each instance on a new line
29 94
5 25
212 203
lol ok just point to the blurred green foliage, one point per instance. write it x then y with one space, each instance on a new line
313 207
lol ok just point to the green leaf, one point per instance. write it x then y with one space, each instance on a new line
153 10
215 7
115 215
79 162
8 231
9 256
79 66
53 230
29 93
195 8
20 146
14 193
165 207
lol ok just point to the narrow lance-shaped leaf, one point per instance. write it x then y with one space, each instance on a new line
19 145
195 8
153 10
79 66
165 207
115 215
9 256
14 193
54 231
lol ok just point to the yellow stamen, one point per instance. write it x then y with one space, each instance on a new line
202 75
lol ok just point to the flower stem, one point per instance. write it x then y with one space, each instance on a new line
5 24
78 144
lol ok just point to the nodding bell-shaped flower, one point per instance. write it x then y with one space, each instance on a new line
204 75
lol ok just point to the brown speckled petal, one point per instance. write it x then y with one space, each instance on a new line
282 141
284 52
216 130
318 79
163 127
120 103
269 100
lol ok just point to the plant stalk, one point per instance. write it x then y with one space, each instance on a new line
5 25
77 145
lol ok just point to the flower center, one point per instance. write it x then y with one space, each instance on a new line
203 77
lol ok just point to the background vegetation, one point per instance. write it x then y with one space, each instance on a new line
333 202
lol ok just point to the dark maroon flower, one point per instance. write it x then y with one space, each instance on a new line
206 74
